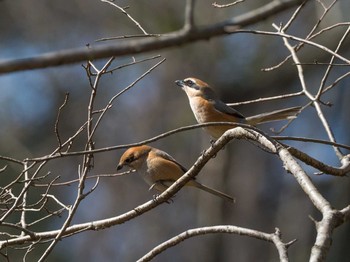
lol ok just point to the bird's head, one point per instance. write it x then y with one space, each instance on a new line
134 157
196 87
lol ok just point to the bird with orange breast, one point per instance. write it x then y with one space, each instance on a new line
207 107
159 169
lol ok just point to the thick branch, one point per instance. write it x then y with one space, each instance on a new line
149 44
331 217
238 133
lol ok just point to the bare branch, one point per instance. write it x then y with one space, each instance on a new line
24 230
189 15
126 37
58 202
58 119
125 13
68 183
333 218
110 103
310 96
326 74
293 17
25 195
312 140
3 169
20 196
226 229
291 37
310 36
10 159
134 62
266 99
165 196
341 171
215 4
145 45
146 141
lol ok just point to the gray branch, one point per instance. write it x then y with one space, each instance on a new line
136 46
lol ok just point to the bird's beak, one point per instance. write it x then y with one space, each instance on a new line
180 83
120 166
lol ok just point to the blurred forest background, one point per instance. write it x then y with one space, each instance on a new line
266 196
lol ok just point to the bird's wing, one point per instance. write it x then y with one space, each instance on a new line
223 108
168 157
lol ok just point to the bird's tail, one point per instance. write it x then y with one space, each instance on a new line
213 191
282 114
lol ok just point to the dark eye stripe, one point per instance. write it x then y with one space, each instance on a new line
129 159
189 83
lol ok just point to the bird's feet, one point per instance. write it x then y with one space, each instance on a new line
169 201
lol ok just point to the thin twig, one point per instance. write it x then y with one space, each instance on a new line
58 119
325 169
293 17
215 4
326 89
309 95
133 63
231 29
189 15
266 99
58 202
86 163
310 36
311 140
125 13
55 213
236 133
329 68
316 63
90 128
126 37
110 103
330 27
11 159
68 183
24 230
146 141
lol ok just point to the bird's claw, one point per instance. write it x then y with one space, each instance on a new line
156 196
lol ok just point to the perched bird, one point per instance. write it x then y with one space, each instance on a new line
159 169
207 107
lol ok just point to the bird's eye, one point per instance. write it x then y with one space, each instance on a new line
129 159
189 82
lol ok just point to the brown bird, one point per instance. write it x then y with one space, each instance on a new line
160 170
207 107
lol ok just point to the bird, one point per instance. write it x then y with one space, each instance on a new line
160 170
207 107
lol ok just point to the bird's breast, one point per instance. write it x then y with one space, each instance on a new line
201 109
205 112
146 173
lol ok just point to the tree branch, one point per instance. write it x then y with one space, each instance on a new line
274 238
176 38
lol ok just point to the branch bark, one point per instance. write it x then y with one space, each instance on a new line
332 218
274 238
181 37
